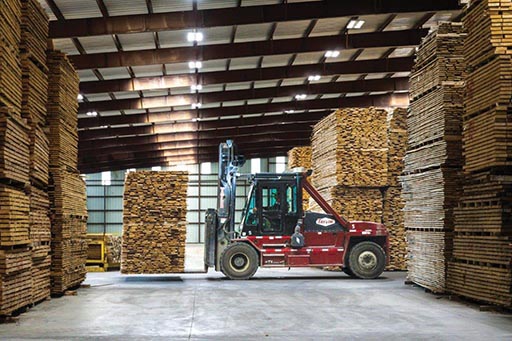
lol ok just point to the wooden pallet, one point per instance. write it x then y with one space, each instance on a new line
154 222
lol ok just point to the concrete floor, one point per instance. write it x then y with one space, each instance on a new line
301 304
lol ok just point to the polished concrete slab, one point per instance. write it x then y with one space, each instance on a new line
300 304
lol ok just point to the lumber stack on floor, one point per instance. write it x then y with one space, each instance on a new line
482 257
113 245
432 170
300 157
66 187
154 222
357 155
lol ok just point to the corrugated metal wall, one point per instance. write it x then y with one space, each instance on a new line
105 196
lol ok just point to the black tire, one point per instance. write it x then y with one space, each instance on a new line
239 261
367 260
348 271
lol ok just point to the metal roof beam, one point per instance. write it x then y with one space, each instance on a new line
155 22
248 49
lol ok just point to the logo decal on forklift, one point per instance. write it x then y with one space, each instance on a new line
325 221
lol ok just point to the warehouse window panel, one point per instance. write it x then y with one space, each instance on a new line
96 217
193 191
94 204
206 168
193 203
255 166
106 178
208 202
95 190
208 190
114 217
193 216
192 234
115 229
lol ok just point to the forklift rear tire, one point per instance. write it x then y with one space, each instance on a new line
239 261
367 260
349 272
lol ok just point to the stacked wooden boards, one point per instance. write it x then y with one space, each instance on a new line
154 222
432 171
356 158
300 157
24 203
66 187
482 255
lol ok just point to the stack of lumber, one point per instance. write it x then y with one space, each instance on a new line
34 32
154 222
393 204
432 172
14 147
10 71
357 156
300 157
349 148
482 258
14 216
15 279
66 188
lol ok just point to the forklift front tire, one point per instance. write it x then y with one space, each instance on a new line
367 260
239 261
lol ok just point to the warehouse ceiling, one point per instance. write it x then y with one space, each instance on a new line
164 81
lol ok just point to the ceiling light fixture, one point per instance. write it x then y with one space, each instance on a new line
355 24
195 36
196 105
314 78
196 87
195 65
92 113
289 111
300 97
332 54
80 97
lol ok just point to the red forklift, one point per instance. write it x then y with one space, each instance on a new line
275 232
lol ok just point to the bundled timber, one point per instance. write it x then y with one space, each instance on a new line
357 203
397 144
349 147
14 147
393 219
487 140
427 258
39 157
40 224
14 216
481 282
300 157
35 93
154 222
69 252
62 111
40 278
34 32
67 192
488 25
482 257
430 198
10 72
15 279
432 173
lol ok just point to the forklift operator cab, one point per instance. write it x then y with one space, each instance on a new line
272 208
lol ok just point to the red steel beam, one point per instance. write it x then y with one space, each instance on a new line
248 49
390 65
155 22
386 84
